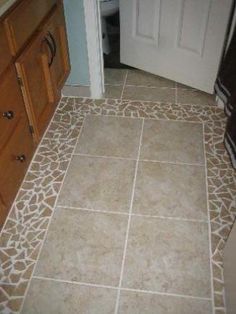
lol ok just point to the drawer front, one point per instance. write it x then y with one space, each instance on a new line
23 21
5 51
11 105
14 161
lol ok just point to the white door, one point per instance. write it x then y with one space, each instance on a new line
178 39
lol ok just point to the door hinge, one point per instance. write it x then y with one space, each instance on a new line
19 79
31 129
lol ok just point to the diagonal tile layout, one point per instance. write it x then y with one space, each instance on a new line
128 236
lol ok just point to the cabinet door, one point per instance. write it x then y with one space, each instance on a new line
16 142
33 68
55 31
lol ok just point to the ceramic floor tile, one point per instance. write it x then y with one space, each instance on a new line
84 246
172 141
140 303
149 94
50 297
110 136
115 76
141 78
167 255
191 96
98 183
170 190
113 91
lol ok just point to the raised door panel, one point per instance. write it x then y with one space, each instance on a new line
33 67
5 51
3 211
55 31
14 161
146 24
16 141
24 19
193 22
11 105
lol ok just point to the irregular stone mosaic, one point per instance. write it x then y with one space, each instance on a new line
26 226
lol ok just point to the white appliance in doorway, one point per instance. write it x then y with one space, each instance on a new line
181 40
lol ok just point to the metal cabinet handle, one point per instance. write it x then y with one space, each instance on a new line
50 41
8 115
54 43
21 158
51 48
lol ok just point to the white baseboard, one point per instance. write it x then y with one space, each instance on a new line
76 91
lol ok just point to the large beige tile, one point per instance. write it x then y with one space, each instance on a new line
140 303
98 183
170 190
113 91
195 97
172 141
110 136
115 76
84 246
141 78
168 255
50 297
149 94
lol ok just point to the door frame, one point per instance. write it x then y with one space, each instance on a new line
94 47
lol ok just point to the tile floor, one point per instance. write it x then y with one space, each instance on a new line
125 208
142 86
130 223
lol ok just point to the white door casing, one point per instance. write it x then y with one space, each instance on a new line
178 39
94 47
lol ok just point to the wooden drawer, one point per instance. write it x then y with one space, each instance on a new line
14 161
5 51
11 105
23 21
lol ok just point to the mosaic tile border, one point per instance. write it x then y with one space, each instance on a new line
25 229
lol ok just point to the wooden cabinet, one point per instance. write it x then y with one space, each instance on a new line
43 68
34 65
16 142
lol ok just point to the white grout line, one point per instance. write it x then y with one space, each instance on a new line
92 210
151 87
103 156
141 160
176 93
131 214
123 89
122 289
169 218
75 282
173 163
146 118
147 101
166 294
129 221
209 223
50 220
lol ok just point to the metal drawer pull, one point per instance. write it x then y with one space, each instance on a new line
51 48
54 44
8 114
21 158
